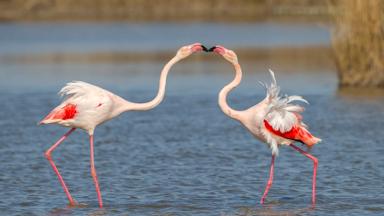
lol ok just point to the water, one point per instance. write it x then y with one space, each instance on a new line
185 157
47 37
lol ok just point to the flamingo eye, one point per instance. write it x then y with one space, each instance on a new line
99 104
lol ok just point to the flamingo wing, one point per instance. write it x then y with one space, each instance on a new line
66 112
78 96
77 89
283 118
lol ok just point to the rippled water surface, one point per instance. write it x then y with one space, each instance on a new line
185 157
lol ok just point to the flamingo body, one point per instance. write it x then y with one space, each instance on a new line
276 120
85 106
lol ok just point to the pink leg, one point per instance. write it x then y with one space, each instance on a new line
269 184
49 157
315 162
93 173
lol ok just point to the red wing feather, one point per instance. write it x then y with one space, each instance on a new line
297 133
67 112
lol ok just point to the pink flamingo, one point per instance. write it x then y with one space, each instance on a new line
86 106
274 121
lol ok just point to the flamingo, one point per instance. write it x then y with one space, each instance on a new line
86 106
274 121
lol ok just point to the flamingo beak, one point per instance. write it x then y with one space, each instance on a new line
218 49
212 49
198 47
204 48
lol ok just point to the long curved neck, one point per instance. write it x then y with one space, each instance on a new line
235 114
160 94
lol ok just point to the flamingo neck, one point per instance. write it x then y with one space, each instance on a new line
232 113
161 91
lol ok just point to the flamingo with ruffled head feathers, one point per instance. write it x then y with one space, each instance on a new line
275 121
86 106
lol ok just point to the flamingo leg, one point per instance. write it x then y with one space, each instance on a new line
269 184
93 173
315 163
49 157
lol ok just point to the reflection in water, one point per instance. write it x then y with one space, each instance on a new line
60 211
361 93
69 210
98 212
74 211
274 210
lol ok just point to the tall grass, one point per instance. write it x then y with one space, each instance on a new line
358 42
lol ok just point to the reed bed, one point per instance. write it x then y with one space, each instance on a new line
358 42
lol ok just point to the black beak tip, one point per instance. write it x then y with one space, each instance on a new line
204 48
212 49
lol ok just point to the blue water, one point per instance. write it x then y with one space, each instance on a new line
185 157
123 37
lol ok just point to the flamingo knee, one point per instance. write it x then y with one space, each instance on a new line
315 161
47 155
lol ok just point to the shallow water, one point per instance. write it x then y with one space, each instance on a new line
185 157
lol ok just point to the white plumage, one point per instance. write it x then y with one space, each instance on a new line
86 106
93 106
78 89
280 113
275 120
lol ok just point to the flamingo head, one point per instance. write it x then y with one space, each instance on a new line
186 51
229 55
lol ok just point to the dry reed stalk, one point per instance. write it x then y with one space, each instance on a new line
358 42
